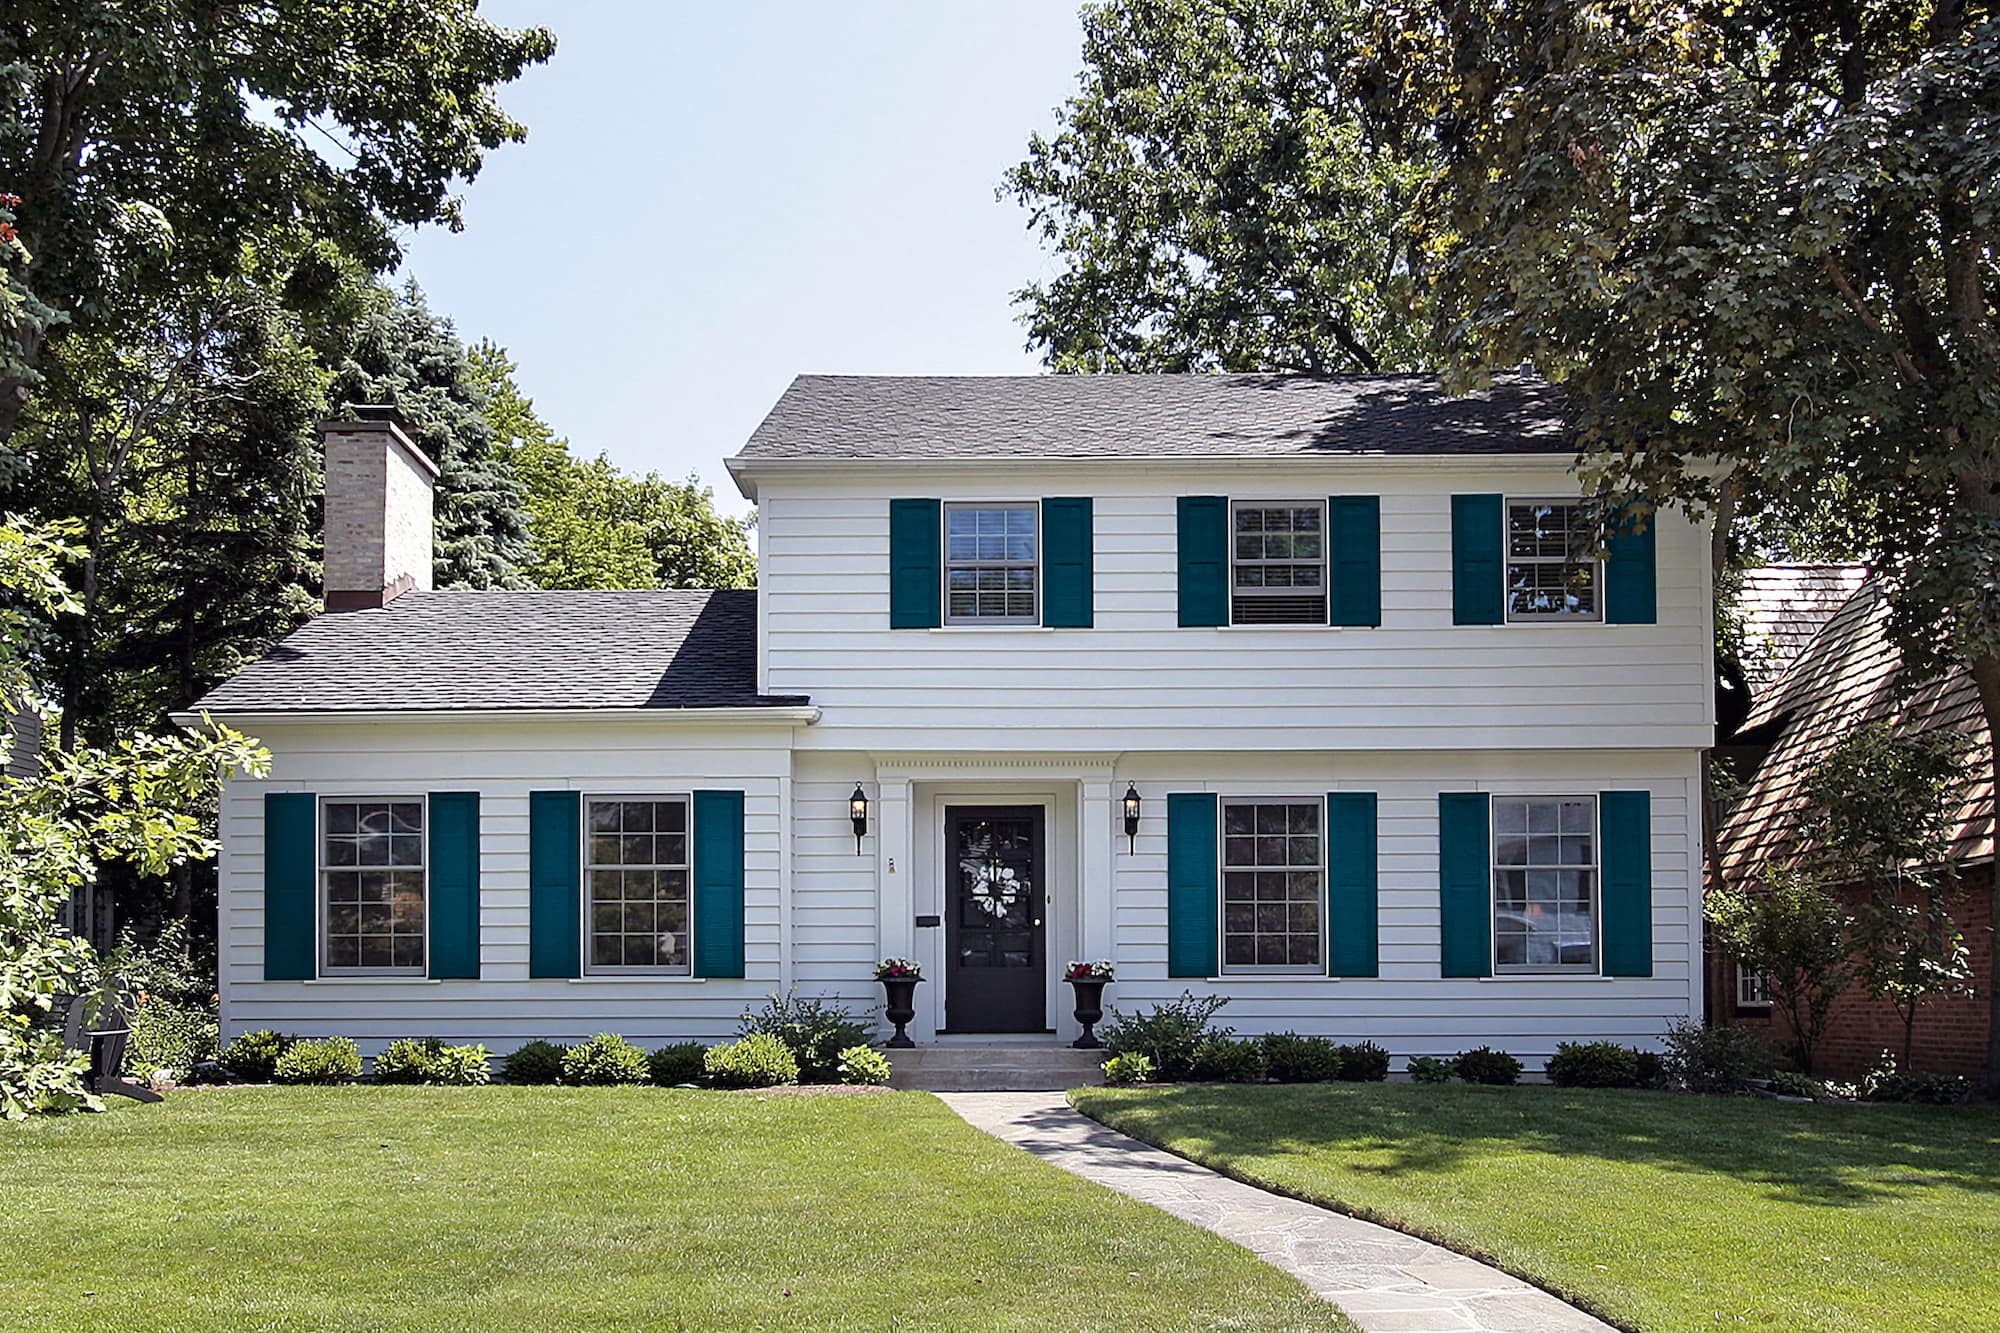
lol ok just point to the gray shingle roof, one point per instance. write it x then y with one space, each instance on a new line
455 650
1153 416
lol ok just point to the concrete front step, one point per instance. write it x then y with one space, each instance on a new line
994 1067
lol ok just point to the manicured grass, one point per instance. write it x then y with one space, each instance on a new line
540 1208
1660 1212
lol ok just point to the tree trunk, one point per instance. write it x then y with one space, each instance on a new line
1986 675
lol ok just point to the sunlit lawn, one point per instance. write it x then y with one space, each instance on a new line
1662 1212
542 1208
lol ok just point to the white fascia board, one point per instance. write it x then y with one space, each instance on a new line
787 716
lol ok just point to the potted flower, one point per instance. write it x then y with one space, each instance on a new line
899 978
1089 979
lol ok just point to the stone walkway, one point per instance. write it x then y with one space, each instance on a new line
1385 1281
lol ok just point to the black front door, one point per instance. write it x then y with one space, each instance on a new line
996 903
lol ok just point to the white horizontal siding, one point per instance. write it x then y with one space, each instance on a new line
1137 681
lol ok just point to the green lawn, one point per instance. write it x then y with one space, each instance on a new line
491 1208
1658 1211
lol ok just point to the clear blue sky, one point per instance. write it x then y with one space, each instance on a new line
716 197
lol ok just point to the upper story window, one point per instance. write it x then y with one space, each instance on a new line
1548 575
372 878
1273 886
1545 884
1277 562
636 872
991 554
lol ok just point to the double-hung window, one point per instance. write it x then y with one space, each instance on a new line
1277 562
1550 575
1753 988
991 564
636 884
372 885
1273 886
1545 876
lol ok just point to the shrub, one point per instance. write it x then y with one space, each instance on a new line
431 1061
1791 1083
816 1031
327 1060
1593 1064
605 1060
1129 1067
674 1065
759 1060
1649 1069
253 1057
1168 1036
1290 1058
1222 1060
169 1036
1430 1069
863 1064
1718 1059
1483 1064
1887 1083
1363 1062
538 1062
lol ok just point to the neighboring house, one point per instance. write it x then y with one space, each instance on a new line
1848 675
1282 689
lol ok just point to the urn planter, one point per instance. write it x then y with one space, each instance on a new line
902 1007
1089 1010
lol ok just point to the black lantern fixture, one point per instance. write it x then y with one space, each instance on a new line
857 815
1132 816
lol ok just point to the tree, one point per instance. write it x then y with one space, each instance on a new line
1881 809
129 801
593 526
411 359
129 128
1793 932
1221 196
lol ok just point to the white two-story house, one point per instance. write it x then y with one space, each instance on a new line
1306 692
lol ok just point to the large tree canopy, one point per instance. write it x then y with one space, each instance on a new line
132 130
1219 197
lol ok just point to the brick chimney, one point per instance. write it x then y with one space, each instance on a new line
378 509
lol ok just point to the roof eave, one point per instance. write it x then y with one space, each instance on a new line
788 715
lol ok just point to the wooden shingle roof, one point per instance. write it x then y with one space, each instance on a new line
1783 606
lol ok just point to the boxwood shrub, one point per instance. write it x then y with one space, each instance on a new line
674 1065
1290 1058
538 1062
326 1060
1483 1064
1363 1062
1225 1060
1593 1064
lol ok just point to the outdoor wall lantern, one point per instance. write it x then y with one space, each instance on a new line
1132 816
857 815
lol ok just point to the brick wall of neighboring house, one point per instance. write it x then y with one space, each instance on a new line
1950 1033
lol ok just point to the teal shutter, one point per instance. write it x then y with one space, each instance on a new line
555 893
1465 883
1067 562
1354 559
1631 576
718 884
1625 832
290 873
454 884
1351 917
1202 531
915 532
1191 889
1478 544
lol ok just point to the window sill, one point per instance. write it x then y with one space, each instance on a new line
1511 977
412 980
647 978
1263 978
991 629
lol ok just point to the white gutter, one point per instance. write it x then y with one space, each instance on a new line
791 715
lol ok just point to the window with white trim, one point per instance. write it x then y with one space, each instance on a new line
1550 576
1277 562
372 885
636 884
991 564
1545 875
1753 988
1273 887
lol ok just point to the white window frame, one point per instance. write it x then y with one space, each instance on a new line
594 969
945 564
1508 560
1222 868
323 903
1596 868
1753 988
1325 566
